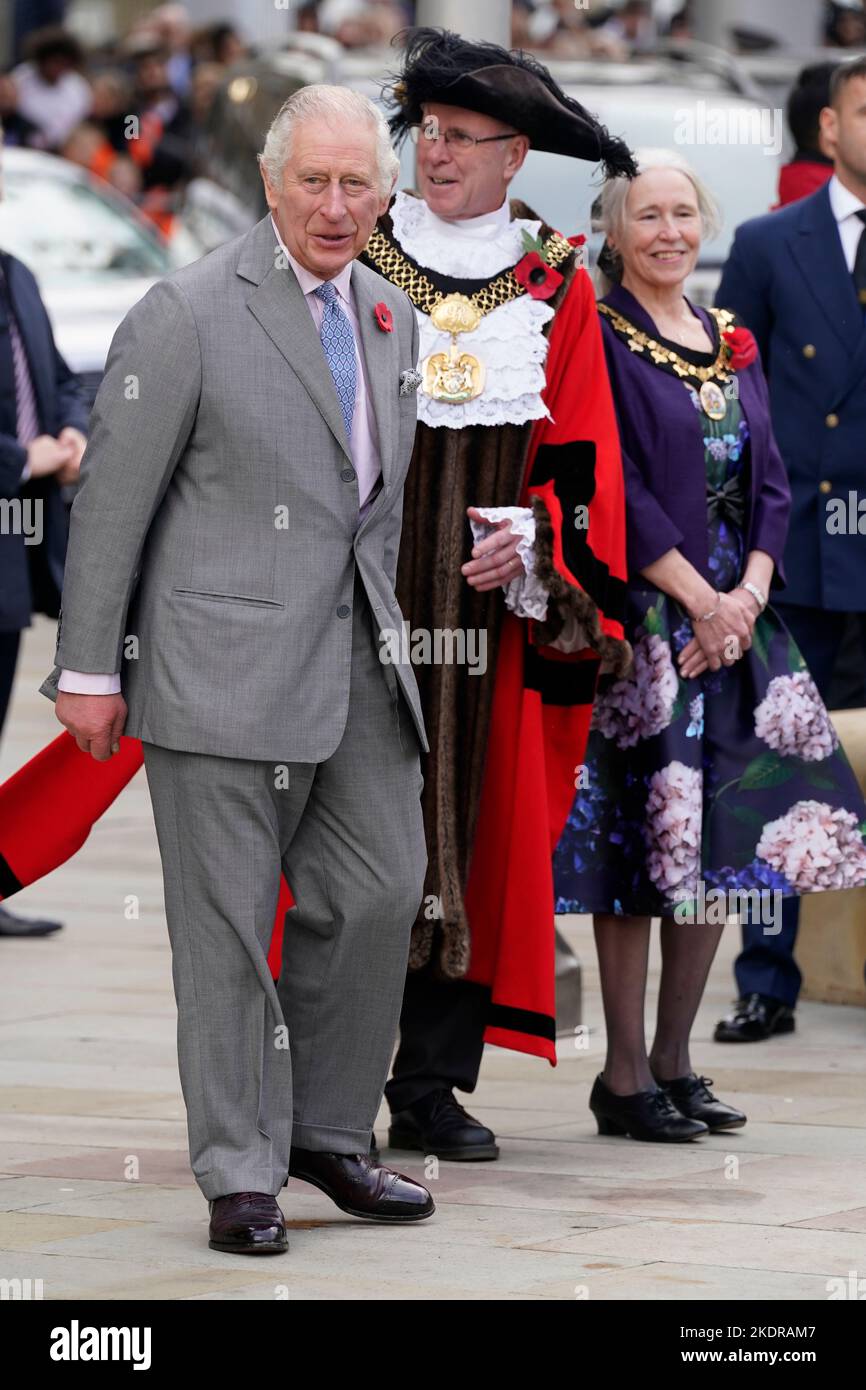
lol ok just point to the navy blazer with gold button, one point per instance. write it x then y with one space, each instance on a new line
787 278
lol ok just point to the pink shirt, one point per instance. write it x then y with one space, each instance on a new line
363 441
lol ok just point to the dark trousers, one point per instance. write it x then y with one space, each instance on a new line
9 642
766 964
441 1037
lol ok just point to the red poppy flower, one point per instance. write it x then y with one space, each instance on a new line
576 240
384 317
742 346
539 279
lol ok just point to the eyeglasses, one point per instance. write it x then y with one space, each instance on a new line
454 139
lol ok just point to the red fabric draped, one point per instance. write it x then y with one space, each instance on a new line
534 748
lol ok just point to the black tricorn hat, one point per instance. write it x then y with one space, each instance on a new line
511 86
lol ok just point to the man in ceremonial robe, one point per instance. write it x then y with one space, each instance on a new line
513 539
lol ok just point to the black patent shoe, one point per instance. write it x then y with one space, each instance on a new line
754 1018
650 1115
692 1096
357 1184
247 1223
437 1124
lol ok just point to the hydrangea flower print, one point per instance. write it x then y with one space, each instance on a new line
673 830
792 719
642 705
816 847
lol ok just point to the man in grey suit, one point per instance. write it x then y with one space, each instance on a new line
231 566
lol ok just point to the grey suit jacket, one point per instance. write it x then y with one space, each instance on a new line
212 550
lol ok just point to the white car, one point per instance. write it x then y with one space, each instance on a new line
92 252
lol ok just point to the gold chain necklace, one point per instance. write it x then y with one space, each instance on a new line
711 396
449 376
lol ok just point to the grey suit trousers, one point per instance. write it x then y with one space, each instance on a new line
305 1062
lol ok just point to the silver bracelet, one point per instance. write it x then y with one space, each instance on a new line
757 594
705 617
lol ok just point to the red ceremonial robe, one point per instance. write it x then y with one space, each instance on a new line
542 703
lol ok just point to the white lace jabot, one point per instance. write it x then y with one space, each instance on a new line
509 341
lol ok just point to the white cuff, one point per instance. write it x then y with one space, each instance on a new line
87 683
525 596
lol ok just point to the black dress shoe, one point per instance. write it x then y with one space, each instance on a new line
10 925
692 1096
247 1223
437 1124
360 1186
649 1115
755 1018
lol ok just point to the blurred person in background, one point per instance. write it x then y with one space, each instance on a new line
43 423
164 148
811 164
558 28
361 23
18 130
633 26
216 43
797 277
52 92
168 28
845 25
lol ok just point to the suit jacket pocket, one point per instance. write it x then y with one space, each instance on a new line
243 599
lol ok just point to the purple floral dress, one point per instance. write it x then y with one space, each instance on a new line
735 777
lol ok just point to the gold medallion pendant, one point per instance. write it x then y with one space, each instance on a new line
454 376
713 400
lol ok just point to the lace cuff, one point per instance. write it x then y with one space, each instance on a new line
525 596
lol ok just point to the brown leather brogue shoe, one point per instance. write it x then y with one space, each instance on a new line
362 1187
247 1223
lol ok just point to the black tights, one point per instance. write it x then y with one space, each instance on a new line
688 950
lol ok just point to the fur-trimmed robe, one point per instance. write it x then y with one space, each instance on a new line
518 731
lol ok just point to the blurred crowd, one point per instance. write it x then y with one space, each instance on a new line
135 110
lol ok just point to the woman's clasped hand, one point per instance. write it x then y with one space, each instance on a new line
721 639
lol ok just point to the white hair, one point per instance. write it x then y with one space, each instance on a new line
609 208
323 102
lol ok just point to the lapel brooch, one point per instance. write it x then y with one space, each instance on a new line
384 317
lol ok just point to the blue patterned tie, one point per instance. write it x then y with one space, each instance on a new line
338 341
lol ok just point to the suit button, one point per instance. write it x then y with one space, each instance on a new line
348 475
831 421
343 611
825 486
809 350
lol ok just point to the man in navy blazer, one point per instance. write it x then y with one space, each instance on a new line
43 419
798 279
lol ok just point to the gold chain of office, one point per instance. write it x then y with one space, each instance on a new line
642 343
390 262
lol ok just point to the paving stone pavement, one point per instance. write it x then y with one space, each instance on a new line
97 1201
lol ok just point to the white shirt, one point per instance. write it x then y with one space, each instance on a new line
845 205
363 442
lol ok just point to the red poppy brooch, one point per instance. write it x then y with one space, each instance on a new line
533 272
384 317
742 348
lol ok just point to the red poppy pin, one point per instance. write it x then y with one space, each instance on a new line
384 317
539 279
742 347
578 240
